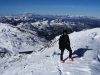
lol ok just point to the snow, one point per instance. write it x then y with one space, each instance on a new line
41 24
16 41
86 54
57 22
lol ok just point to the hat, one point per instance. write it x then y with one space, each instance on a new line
64 31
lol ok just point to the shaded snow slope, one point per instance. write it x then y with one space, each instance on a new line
86 54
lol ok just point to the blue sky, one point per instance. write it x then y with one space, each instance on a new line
62 7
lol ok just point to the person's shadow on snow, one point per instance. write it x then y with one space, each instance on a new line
79 52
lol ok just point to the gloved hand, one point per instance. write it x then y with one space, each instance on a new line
68 44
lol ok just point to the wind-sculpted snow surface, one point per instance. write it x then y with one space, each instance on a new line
86 55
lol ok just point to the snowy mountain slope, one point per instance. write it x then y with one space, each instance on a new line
16 40
86 54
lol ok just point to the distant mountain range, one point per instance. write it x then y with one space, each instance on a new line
53 16
49 26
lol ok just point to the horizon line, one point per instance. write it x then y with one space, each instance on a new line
49 14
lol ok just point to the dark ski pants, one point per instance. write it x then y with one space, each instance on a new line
62 52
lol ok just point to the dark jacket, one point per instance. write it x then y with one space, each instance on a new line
64 41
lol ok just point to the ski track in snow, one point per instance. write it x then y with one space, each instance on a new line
86 54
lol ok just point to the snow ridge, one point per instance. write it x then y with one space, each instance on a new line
86 54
